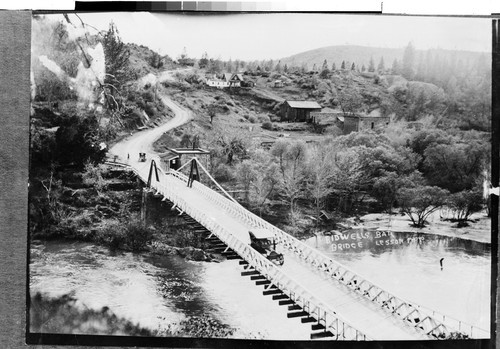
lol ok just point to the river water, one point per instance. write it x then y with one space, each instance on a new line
157 291
408 265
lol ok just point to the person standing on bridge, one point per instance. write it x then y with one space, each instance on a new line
441 263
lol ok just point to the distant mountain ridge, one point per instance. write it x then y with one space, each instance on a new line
361 55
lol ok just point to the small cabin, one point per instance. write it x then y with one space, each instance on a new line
298 111
356 123
173 158
278 84
247 84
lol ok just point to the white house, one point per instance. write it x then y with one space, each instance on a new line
227 80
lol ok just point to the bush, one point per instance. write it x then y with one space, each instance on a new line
252 119
151 109
65 315
131 236
464 203
148 96
263 118
268 125
93 176
223 173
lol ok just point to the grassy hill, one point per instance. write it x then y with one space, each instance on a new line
362 54
357 54
140 60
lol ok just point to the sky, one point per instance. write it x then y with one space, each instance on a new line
277 35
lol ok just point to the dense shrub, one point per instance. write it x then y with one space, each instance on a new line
65 315
268 125
131 236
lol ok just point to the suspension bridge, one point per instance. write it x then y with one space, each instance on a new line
336 302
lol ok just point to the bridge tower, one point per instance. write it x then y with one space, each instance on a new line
146 192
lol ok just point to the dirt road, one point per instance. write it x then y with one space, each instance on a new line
142 142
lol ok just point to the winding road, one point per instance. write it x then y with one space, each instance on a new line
142 142
297 274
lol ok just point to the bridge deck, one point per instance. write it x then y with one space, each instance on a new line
355 309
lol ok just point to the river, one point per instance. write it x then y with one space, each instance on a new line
408 265
157 291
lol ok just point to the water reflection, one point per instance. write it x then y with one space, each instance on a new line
408 264
158 291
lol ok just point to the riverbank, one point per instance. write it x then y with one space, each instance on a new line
479 228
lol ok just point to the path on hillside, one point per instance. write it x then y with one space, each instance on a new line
142 141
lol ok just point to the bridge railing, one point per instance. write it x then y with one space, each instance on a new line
430 322
299 294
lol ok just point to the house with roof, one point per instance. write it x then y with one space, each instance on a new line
362 122
298 111
226 80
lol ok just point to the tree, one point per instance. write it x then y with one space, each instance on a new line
290 156
386 187
455 167
92 176
214 66
77 141
261 178
409 62
226 144
371 65
419 202
304 68
353 66
342 66
203 62
319 177
396 69
278 67
245 174
381 65
421 73
325 72
334 67
464 203
348 177
155 60
51 88
325 65
350 100
212 111
116 57
363 68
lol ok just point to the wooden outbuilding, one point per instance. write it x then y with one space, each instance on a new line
173 157
298 111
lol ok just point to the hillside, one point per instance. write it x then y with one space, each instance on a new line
143 58
361 55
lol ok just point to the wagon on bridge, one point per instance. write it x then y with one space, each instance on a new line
264 242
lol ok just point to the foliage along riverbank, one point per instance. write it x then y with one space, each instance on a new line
67 315
102 204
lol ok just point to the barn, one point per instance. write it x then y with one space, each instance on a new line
298 111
